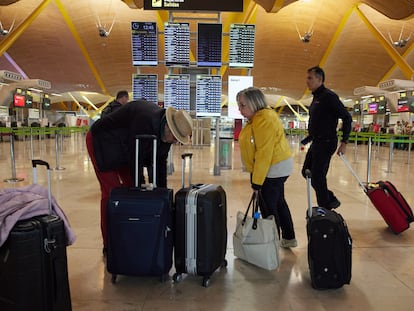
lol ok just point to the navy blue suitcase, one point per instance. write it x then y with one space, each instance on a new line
200 229
33 263
140 238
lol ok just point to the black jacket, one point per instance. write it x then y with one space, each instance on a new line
112 106
114 138
325 110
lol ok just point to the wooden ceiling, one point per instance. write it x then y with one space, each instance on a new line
58 41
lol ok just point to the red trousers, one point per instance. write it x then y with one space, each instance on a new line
107 180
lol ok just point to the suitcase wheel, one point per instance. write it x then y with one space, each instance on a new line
224 264
177 277
206 281
113 278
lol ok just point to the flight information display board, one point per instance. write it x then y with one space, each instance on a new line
145 87
208 96
242 45
177 44
209 39
197 5
382 104
177 91
144 43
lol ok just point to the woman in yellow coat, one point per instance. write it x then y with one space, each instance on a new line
267 157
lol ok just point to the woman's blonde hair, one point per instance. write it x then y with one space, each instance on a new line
255 99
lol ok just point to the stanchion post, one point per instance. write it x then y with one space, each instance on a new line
390 155
217 149
13 162
409 149
355 147
58 167
369 159
31 144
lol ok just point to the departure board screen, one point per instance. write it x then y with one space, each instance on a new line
177 44
382 105
144 43
177 91
242 45
209 37
145 87
208 96
198 5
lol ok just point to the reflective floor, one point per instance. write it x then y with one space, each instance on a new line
382 272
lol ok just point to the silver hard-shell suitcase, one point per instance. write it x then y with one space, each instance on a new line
200 230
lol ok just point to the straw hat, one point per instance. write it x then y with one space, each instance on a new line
180 124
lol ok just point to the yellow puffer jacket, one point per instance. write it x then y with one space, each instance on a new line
263 143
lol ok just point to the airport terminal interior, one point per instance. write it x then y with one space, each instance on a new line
382 269
63 61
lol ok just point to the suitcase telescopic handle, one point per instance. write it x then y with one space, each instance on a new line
308 176
154 160
348 165
190 173
35 163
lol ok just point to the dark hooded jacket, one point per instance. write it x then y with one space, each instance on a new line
114 138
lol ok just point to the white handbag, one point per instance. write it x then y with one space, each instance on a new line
256 240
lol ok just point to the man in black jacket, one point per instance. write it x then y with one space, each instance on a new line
122 98
325 110
111 145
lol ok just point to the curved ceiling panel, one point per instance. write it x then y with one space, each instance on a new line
395 9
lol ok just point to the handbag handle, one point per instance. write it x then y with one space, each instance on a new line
255 211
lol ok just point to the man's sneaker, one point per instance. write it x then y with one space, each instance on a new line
288 243
333 204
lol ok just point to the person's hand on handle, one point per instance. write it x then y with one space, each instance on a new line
341 148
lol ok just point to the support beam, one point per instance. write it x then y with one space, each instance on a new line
332 43
407 52
82 47
15 34
396 57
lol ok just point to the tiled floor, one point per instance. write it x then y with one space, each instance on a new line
382 272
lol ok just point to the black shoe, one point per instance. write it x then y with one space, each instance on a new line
333 204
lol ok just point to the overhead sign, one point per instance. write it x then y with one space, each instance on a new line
195 5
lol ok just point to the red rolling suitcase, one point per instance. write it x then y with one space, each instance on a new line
33 263
140 240
200 230
388 201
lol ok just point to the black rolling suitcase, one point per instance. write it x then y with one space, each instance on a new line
200 230
140 239
33 263
329 246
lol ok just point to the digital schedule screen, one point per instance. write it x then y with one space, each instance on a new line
19 100
144 43
177 44
208 96
145 87
357 109
372 108
198 5
403 105
382 105
242 45
46 105
209 38
177 91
